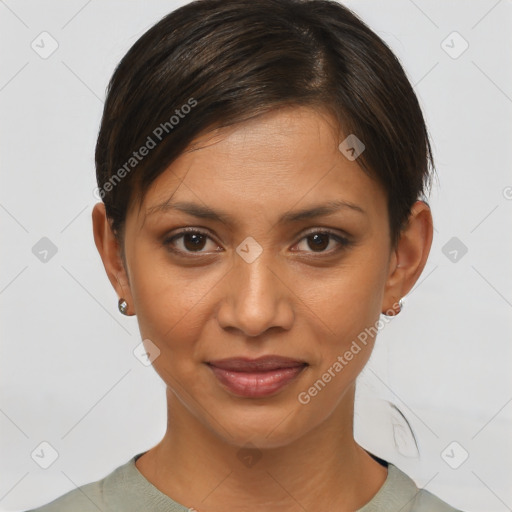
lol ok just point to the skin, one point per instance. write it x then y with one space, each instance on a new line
294 300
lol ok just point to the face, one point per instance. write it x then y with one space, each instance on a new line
259 280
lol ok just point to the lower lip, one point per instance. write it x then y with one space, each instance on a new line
257 384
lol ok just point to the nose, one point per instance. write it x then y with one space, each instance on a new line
256 297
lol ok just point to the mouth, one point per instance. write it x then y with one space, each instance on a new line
256 378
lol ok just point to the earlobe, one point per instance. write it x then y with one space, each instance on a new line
110 253
410 256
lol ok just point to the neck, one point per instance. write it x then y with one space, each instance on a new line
324 469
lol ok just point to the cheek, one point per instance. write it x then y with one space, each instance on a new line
167 299
341 354
349 307
351 300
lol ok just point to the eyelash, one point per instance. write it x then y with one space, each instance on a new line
342 241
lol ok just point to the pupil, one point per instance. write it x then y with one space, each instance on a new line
196 243
318 238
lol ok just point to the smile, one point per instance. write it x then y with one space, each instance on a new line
255 378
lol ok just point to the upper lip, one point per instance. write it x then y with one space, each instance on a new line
264 363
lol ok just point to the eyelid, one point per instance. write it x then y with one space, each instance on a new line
336 233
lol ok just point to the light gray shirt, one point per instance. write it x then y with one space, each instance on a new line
125 489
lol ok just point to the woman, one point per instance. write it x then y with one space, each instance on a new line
261 166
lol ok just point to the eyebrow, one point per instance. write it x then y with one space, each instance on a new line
205 212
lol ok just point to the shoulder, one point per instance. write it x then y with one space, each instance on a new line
87 498
419 500
399 492
104 494
425 501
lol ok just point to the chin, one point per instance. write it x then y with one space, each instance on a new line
262 427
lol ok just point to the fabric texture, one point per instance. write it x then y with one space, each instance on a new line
125 489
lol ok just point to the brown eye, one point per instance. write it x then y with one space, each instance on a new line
319 241
192 241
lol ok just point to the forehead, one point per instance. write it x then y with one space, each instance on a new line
284 159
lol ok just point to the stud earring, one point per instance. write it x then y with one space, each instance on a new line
123 306
400 307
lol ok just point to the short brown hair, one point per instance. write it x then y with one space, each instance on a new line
229 61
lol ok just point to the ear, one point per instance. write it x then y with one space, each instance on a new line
409 258
110 252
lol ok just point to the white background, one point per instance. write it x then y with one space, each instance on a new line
68 374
